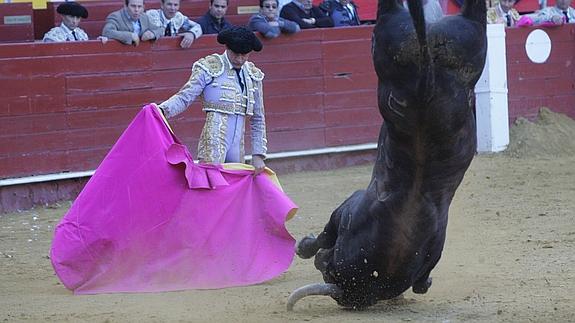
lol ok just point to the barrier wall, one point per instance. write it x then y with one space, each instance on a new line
16 22
551 84
63 105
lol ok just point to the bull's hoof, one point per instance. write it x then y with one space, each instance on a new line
306 247
421 287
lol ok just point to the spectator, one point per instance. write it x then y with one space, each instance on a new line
130 24
342 12
214 21
231 91
72 13
305 14
432 10
268 23
282 3
561 13
503 13
171 20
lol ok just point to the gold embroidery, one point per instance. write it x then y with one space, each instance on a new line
213 64
254 72
210 147
228 108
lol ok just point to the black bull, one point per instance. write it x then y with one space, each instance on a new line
387 238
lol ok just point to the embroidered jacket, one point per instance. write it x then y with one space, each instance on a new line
495 15
177 23
63 33
545 15
215 81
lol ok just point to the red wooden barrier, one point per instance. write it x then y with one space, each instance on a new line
16 22
551 84
64 105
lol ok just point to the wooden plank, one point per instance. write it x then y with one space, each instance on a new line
312 119
355 116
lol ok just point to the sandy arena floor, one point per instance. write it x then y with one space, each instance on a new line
509 256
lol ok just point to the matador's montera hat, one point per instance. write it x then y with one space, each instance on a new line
73 9
239 40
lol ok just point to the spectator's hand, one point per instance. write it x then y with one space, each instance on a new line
188 40
148 35
310 21
258 163
274 23
557 19
135 39
103 39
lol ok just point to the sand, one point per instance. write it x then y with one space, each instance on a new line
509 255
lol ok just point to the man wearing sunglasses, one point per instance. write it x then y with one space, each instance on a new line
268 23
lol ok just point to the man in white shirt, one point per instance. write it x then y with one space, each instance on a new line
173 21
72 13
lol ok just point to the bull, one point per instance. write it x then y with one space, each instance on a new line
385 239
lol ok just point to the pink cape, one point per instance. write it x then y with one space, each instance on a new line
150 220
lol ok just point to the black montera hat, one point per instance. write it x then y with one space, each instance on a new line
73 9
239 40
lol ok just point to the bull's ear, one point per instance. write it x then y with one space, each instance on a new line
475 10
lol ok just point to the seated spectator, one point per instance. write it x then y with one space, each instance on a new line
172 21
432 10
306 15
214 20
342 12
268 23
282 3
561 13
503 13
130 24
72 13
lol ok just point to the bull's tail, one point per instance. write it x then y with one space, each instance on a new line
475 10
386 6
426 81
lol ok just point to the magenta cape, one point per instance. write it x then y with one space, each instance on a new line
150 219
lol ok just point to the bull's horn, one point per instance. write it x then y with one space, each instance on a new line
313 289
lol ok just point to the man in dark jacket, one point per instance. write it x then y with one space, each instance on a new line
342 12
214 21
306 15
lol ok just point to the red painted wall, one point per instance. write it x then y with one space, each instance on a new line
551 84
63 105
16 32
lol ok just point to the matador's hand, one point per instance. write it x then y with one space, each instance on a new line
258 163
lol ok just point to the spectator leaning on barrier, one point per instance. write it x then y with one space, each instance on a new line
214 20
72 13
342 12
230 88
306 15
561 13
130 24
172 21
268 23
503 13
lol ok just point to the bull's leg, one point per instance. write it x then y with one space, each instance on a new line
308 246
422 284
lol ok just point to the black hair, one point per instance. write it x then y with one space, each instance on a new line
262 3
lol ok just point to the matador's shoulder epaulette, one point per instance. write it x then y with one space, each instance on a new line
254 72
212 64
